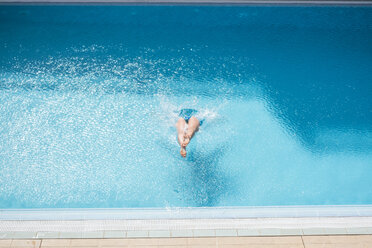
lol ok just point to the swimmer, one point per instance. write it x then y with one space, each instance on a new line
187 125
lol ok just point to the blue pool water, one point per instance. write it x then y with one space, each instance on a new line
89 96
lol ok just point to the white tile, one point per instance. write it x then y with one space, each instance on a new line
285 213
159 234
92 235
313 231
70 235
24 235
204 233
226 233
137 234
307 213
48 235
248 232
334 231
6 235
359 230
115 234
331 212
181 233
270 232
291 232
365 211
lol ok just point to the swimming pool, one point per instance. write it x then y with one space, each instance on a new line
89 96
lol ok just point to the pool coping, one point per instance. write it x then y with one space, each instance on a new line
186 228
185 222
187 212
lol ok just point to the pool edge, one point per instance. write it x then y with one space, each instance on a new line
110 229
185 222
188 213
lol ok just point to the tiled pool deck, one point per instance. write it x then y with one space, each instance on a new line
185 233
327 226
175 233
325 232
187 223
332 241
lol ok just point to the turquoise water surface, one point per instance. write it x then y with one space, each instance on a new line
89 96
